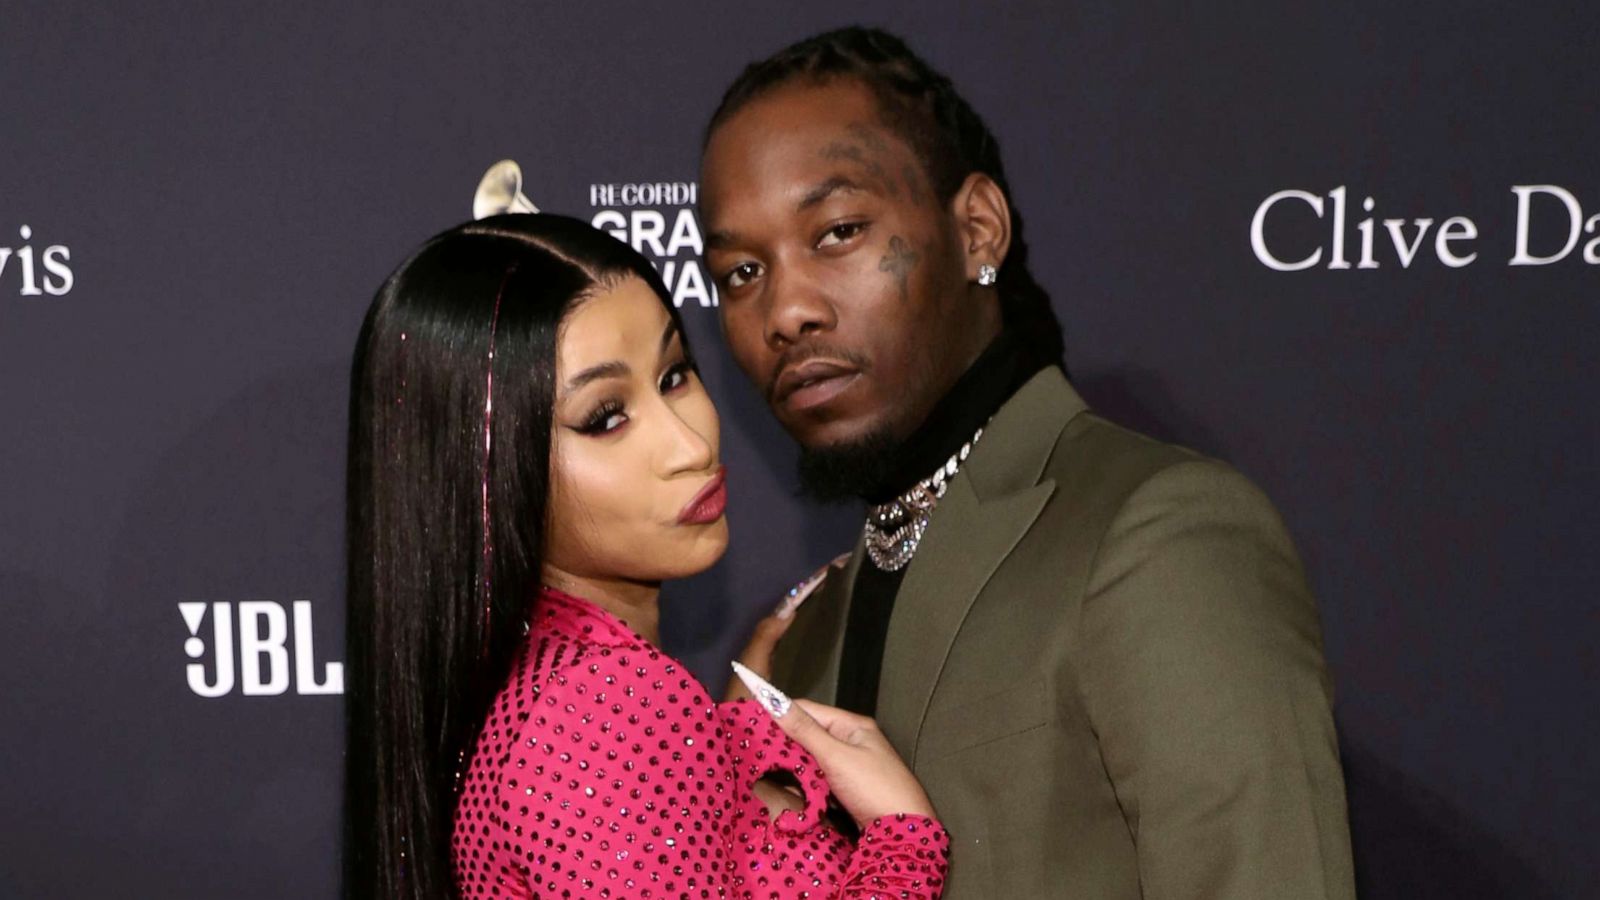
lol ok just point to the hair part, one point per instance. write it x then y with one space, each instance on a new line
950 140
443 535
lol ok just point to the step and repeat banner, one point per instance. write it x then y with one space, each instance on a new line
1354 251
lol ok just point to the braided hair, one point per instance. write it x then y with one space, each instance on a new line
948 137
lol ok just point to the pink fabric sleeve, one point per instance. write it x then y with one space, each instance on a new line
902 856
609 773
905 857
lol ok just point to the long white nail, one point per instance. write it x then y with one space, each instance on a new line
772 699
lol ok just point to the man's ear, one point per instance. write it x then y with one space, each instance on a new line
983 219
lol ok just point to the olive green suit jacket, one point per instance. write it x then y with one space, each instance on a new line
1105 666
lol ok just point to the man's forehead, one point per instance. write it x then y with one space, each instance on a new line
797 121
791 197
815 105
798 161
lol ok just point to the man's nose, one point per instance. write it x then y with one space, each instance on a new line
798 309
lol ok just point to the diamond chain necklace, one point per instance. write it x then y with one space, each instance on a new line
894 529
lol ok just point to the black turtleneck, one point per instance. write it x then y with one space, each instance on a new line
991 380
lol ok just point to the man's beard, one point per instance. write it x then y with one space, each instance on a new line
850 470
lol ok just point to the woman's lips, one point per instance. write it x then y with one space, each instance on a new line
710 503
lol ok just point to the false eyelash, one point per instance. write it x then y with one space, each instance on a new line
595 422
686 366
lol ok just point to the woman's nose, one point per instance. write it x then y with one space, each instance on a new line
689 449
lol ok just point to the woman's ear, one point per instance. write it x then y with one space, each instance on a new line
983 219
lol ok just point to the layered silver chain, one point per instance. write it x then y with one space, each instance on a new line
894 529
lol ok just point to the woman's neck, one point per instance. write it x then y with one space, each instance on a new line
637 604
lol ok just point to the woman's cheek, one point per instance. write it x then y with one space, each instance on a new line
705 417
578 507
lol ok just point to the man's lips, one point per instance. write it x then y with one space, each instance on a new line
812 383
709 503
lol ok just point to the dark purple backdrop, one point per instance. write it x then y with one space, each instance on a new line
231 185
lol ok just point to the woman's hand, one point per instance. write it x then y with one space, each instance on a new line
863 770
757 655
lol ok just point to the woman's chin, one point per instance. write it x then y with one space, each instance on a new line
700 552
656 556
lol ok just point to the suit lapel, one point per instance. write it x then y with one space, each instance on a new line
985 512
964 545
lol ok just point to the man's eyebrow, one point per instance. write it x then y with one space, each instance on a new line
825 190
837 184
719 239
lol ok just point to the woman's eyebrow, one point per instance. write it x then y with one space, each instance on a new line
611 369
615 368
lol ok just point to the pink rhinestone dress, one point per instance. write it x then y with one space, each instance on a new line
604 770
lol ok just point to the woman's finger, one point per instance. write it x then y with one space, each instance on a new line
821 741
815 726
776 702
851 728
865 773
800 726
798 594
757 654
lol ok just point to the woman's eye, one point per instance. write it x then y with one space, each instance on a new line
741 275
604 420
676 377
840 233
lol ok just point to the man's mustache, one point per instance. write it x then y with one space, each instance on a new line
802 353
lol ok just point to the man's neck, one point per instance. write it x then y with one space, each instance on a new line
986 385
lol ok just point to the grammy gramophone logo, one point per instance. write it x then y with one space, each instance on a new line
500 191
656 218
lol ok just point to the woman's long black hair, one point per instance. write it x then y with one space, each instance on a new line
445 518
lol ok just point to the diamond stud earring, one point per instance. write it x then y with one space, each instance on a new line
987 275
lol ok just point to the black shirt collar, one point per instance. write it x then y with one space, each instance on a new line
997 373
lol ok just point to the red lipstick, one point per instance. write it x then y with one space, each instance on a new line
710 503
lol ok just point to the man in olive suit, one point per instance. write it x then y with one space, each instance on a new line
1097 651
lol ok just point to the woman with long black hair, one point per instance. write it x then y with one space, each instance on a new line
531 455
